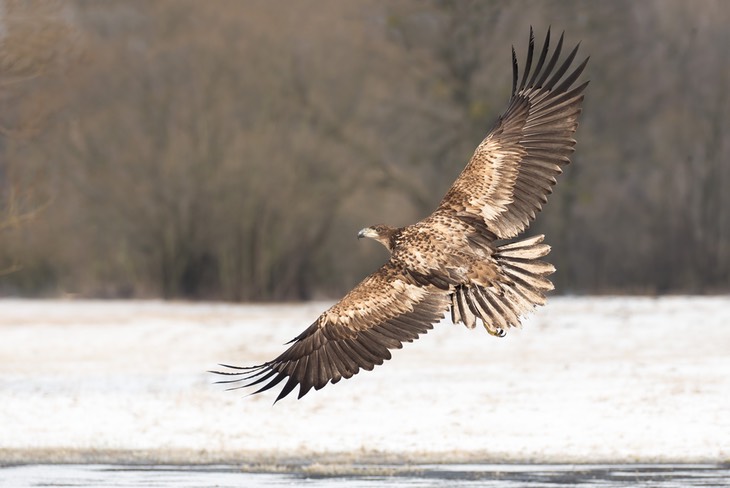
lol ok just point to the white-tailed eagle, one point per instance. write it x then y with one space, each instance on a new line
452 259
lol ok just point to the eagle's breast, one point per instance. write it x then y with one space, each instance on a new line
439 245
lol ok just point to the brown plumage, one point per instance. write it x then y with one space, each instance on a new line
450 260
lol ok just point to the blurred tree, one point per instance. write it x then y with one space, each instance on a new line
37 46
232 150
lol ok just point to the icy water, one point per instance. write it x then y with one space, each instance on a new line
494 476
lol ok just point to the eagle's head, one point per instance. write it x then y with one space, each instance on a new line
384 234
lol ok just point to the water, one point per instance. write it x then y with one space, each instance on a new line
426 476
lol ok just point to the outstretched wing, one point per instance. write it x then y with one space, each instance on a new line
386 309
513 170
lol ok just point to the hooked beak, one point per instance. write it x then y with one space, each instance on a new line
366 232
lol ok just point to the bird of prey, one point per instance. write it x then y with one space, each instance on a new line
456 258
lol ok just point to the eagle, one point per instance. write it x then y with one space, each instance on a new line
462 258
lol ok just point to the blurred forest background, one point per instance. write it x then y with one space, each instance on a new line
231 150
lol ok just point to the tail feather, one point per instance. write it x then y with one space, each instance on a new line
503 303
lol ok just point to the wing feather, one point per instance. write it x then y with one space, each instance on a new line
346 363
512 172
392 339
387 309
551 63
528 63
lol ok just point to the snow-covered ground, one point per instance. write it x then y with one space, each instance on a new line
586 380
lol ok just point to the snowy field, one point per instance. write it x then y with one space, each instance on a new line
587 380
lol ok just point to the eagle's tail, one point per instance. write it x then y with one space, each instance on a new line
523 286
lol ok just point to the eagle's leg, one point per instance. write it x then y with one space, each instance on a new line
465 300
482 305
495 331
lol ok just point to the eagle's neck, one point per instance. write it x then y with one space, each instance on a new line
387 238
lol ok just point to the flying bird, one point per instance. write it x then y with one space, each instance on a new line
456 259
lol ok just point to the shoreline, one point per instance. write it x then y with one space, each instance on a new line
271 462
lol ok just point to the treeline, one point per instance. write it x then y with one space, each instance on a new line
231 150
